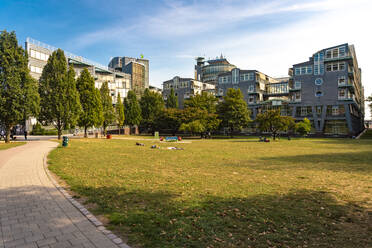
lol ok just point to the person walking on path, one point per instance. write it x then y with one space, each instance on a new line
25 133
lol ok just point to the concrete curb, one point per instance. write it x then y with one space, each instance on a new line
115 239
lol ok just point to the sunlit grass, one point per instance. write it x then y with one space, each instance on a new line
4 145
226 193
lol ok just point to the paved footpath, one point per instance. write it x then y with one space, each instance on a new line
33 212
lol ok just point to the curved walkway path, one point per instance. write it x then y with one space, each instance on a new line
33 212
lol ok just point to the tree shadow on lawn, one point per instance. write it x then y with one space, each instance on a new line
296 219
360 162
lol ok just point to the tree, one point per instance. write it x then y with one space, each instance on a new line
172 100
107 107
152 105
60 102
90 100
120 116
132 109
204 101
303 127
271 121
170 119
19 98
196 120
233 111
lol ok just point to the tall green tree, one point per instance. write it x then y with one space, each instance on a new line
172 100
60 103
107 107
152 104
19 98
369 99
132 109
119 111
204 101
271 121
233 111
90 99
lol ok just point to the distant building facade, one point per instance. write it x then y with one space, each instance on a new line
326 89
155 89
118 82
184 88
207 72
138 68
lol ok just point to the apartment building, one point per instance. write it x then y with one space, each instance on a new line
138 68
118 82
326 89
184 88
207 72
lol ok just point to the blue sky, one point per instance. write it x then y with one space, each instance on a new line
269 36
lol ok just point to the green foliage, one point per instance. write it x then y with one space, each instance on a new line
204 101
171 119
107 107
369 99
152 105
90 99
303 127
196 120
233 110
132 109
172 100
60 102
119 111
271 121
19 98
38 130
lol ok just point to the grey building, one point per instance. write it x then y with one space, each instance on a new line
207 72
326 89
138 68
184 88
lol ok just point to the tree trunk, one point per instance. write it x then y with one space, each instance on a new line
7 134
119 130
59 131
85 132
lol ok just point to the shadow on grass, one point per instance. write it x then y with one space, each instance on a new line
297 219
346 162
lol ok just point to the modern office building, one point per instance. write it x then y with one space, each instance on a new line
326 89
184 88
39 53
138 68
207 72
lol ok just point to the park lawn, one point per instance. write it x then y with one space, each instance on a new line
226 193
4 145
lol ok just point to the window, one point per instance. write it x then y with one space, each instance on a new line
335 53
341 66
321 71
251 99
316 70
251 76
341 80
250 88
341 93
319 110
318 81
342 51
303 70
297 96
297 71
303 111
329 67
309 70
328 54
335 110
318 93
297 85
335 67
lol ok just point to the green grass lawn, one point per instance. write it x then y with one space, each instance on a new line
4 145
367 134
226 193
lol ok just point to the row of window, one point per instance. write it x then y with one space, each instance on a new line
319 81
247 77
337 52
304 70
337 66
39 55
332 110
242 77
36 69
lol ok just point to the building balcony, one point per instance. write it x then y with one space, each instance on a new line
347 98
347 57
295 89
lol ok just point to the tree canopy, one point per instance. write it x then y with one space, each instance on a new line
152 105
19 98
107 107
204 101
303 127
132 109
271 121
119 112
90 99
172 100
198 120
233 111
